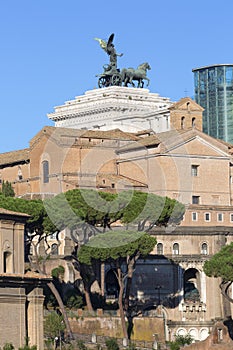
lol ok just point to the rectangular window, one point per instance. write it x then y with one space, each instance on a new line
220 217
195 199
231 217
207 216
194 216
194 170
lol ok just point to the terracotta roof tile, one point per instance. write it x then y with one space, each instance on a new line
56 133
171 138
14 157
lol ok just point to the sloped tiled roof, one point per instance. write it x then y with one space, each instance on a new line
183 101
151 140
14 157
173 138
56 133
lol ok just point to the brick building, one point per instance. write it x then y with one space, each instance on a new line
157 147
21 295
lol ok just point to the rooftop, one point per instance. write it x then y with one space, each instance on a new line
212 66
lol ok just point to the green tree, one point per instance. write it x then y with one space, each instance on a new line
54 325
120 249
38 228
92 211
221 265
89 212
7 189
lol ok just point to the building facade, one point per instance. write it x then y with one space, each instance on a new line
21 294
214 92
166 154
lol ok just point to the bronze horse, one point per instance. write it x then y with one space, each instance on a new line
139 74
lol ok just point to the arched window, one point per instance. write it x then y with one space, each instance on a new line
160 249
182 122
175 249
204 249
191 285
20 175
45 171
54 249
193 122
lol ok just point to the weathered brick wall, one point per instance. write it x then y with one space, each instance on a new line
144 329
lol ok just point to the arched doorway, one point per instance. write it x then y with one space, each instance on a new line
111 283
191 285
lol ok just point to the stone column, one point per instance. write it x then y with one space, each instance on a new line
102 278
203 286
12 316
36 318
180 286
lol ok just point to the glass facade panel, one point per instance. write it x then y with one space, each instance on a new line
214 92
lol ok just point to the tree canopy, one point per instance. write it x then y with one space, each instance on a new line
221 265
114 245
38 221
97 210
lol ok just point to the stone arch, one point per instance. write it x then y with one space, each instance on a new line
192 285
193 332
181 331
203 333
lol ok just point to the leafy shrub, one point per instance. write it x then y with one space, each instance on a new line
112 344
180 341
58 272
81 345
8 346
74 302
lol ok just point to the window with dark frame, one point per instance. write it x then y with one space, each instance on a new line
204 249
195 199
175 249
45 171
194 170
194 216
160 249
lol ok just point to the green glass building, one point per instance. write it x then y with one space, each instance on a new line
214 92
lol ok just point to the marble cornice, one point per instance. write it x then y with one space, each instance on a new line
118 99
88 112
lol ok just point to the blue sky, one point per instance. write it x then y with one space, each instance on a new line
49 55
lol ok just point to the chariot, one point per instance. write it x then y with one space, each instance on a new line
110 77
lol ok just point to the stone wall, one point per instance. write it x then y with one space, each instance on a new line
144 329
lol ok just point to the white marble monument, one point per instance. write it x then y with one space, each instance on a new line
128 109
